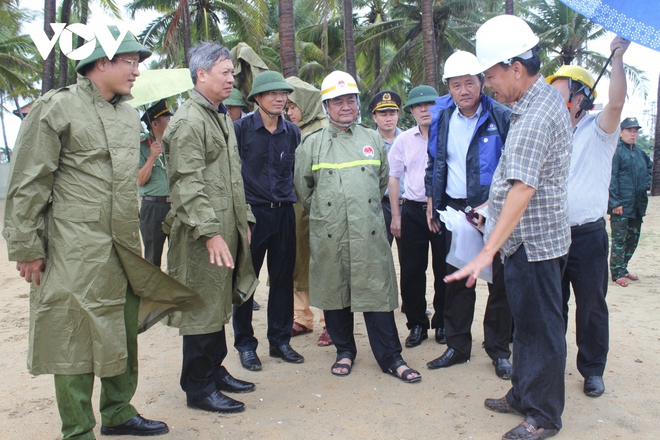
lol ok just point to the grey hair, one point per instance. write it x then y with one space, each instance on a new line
204 56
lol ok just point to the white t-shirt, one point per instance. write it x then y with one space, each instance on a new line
591 171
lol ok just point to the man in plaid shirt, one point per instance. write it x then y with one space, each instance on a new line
528 223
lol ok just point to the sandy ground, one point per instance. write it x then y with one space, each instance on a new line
306 401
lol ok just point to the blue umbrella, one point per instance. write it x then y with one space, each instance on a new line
635 20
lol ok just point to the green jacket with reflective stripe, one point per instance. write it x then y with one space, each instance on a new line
340 177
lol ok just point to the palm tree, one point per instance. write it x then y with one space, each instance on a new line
210 20
428 43
349 38
48 64
287 31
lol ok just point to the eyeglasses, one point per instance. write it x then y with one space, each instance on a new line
278 94
134 63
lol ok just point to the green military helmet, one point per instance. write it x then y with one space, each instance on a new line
266 82
235 99
129 44
420 95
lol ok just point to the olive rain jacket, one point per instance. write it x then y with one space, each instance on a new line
632 172
483 153
308 99
341 178
208 199
72 200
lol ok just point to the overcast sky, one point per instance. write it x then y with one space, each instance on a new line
637 55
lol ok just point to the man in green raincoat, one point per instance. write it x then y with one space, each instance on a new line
209 238
71 223
305 110
341 173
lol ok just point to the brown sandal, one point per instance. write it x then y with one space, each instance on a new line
527 431
325 340
299 329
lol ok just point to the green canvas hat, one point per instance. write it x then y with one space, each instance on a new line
235 99
630 123
420 95
129 44
267 81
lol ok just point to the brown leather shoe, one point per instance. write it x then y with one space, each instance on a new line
500 406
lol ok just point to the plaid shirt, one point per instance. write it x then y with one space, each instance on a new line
537 152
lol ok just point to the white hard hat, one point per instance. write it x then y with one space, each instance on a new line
338 83
502 38
461 63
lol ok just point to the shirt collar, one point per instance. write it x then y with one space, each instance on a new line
259 122
525 101
221 108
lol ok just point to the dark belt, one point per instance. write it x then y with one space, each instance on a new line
588 227
457 204
386 199
273 205
156 199
414 203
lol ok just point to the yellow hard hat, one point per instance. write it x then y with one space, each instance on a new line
576 73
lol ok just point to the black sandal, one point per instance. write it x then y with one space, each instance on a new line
404 376
337 364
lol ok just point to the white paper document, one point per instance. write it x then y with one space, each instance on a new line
466 241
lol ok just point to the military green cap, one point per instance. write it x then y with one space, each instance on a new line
266 82
129 44
235 99
630 123
420 95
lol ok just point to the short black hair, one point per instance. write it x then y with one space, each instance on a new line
87 67
532 65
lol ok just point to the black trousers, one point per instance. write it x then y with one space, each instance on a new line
459 314
202 358
152 215
535 297
414 259
275 233
381 330
587 272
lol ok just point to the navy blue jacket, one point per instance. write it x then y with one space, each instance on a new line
483 153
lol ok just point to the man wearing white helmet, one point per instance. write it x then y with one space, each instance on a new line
527 223
463 155
341 173
594 143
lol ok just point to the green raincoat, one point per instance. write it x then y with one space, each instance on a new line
72 200
341 178
208 198
632 173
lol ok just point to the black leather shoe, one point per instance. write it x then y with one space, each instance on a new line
594 386
217 402
255 305
500 406
440 337
503 368
416 336
250 360
286 353
230 384
139 426
448 358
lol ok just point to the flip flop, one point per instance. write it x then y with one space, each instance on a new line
404 375
632 277
623 282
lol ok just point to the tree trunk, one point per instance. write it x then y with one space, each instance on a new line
655 184
185 28
4 130
63 77
508 7
428 40
349 39
324 34
48 65
287 39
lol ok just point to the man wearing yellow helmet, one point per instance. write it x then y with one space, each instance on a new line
594 143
